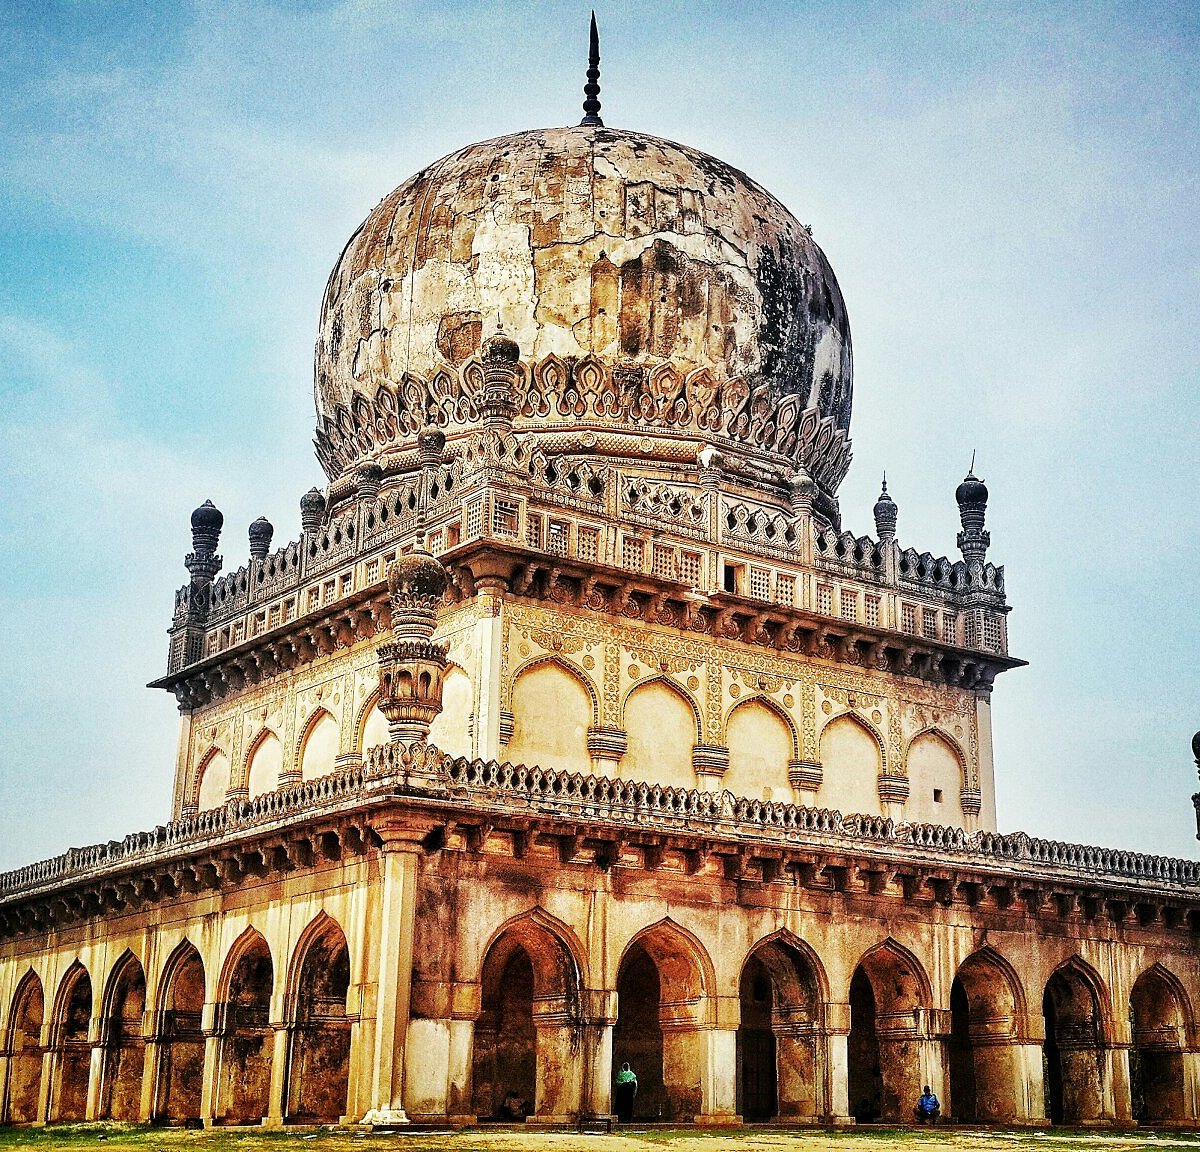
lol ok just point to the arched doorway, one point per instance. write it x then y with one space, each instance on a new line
780 1045
1159 1035
985 1072
124 1049
72 1047
527 1054
25 1046
1073 1053
884 1046
181 1068
244 1062
661 1006
319 1065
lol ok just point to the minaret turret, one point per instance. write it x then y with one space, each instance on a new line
972 497
203 562
261 532
886 513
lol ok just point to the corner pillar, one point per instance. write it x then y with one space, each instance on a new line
277 1092
837 1039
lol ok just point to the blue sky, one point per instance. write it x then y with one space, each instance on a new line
1008 194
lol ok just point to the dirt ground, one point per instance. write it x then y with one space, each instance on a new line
68 1138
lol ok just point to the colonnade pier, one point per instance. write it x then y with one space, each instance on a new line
419 937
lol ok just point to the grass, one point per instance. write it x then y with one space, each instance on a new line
70 1137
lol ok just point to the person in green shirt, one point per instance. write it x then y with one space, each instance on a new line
626 1091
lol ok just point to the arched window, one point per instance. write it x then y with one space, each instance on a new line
552 711
320 747
265 764
760 745
851 760
934 781
660 725
214 781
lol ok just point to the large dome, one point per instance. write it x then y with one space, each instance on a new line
694 296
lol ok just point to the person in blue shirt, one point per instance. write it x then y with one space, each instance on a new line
928 1109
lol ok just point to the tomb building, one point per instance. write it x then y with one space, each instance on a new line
576 729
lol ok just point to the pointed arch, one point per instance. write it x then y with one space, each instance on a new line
554 704
1078 1022
263 763
450 731
944 737
369 725
937 774
546 939
181 998
888 988
853 755
23 1041
317 749
781 1050
245 992
987 1014
123 1008
762 741
74 1007
318 988
664 983
1075 967
1162 1025
662 726
212 780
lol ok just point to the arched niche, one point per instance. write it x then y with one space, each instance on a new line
214 780
884 1046
319 1061
1160 1015
373 730
986 1005
552 711
25 1046
244 1027
1074 1009
124 1048
761 742
780 1043
181 1042
934 768
526 1059
851 759
451 728
661 724
662 1005
319 745
264 763
72 1043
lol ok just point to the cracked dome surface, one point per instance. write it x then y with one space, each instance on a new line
585 241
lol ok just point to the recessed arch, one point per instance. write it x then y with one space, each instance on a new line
263 763
124 1050
553 706
780 1040
317 749
937 773
370 725
24 1043
71 1040
451 728
987 1007
524 1061
662 726
244 1027
181 998
318 986
762 740
853 756
212 780
664 980
1077 1014
888 988
1161 1015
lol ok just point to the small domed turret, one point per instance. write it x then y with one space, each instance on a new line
500 347
1196 748
886 514
207 522
261 532
312 510
972 498
971 491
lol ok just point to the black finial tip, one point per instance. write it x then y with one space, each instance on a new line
591 90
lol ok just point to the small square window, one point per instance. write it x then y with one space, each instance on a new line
937 795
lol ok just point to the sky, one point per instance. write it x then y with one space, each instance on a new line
1008 194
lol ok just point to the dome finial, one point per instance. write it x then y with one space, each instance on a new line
591 90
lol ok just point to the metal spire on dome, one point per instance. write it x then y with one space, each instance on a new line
591 90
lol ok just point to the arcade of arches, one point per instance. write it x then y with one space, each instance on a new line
718 1023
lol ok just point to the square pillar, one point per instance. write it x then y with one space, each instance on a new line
837 1045
719 1083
